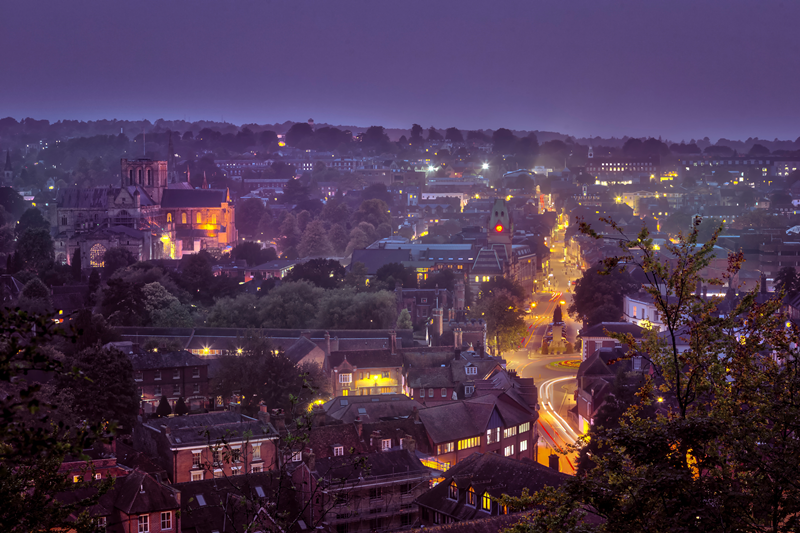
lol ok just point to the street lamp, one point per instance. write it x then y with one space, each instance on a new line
485 166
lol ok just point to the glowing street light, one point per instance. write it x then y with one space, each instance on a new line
485 166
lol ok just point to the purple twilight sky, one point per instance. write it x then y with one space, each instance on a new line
675 68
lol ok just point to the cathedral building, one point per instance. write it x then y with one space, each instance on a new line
150 217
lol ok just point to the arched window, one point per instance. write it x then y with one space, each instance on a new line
486 502
140 177
149 176
169 217
97 255
183 218
199 217
471 496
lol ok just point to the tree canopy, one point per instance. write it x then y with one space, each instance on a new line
599 294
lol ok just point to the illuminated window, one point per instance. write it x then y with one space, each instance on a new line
199 217
256 451
486 502
445 448
96 255
465 444
509 432
169 217
471 496
524 427
183 218
509 450
345 378
523 446
452 491
492 435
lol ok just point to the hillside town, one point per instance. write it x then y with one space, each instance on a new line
320 329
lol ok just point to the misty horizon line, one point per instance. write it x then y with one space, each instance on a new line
548 134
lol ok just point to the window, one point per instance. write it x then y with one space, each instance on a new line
218 473
176 374
77 479
101 522
492 435
257 469
199 217
338 451
197 475
430 393
195 459
138 376
385 374
509 432
183 218
144 523
98 476
217 456
195 372
486 502
345 378
523 446
63 221
472 370
471 496
386 444
297 457
509 450
469 389
444 393
176 389
169 217
97 255
375 494
452 491
196 388
444 448
473 442
236 470
524 427
256 451
236 455
157 390
166 520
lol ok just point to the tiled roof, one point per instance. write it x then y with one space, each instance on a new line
210 428
487 473
193 198
487 262
366 358
373 259
599 330
375 464
370 408
301 348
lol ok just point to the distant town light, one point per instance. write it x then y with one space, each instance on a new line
485 166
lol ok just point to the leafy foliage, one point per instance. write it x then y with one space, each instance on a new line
599 294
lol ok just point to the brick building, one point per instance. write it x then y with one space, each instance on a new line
174 375
212 445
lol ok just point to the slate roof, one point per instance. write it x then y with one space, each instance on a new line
150 360
370 408
487 473
193 198
301 348
487 262
278 264
366 358
208 428
374 259
96 197
222 498
376 464
598 330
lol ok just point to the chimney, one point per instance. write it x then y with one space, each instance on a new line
278 419
359 426
763 283
310 459
327 343
263 413
458 333
306 334
437 321
393 341
408 443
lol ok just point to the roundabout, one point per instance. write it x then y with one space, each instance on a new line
570 365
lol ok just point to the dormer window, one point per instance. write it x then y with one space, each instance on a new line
471 500
452 491
472 370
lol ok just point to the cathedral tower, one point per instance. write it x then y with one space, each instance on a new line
501 227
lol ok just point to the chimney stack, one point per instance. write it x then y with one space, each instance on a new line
263 413
393 341
408 443
359 426
327 343
278 419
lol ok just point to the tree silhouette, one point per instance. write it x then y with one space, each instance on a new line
163 409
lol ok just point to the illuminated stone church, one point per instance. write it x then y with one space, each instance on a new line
150 217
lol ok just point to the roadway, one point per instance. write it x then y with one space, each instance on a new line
556 386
